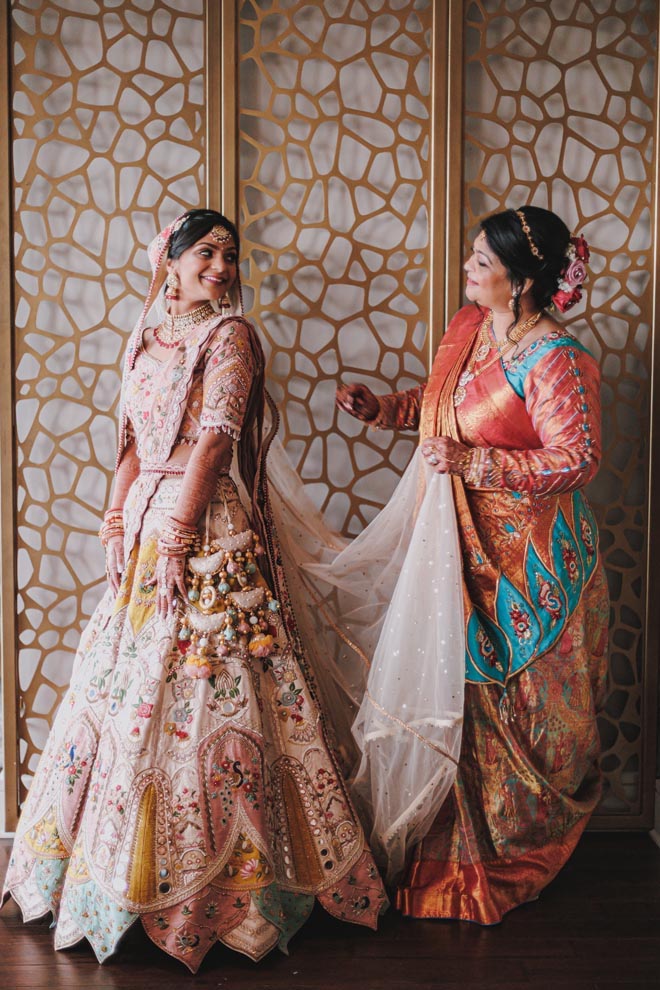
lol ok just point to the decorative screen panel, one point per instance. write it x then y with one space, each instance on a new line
333 155
108 146
560 112
334 137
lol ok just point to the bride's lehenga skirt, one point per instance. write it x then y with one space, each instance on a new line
210 809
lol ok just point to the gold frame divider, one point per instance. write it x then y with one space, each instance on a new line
8 653
651 655
221 68
649 720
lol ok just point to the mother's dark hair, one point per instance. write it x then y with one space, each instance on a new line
550 235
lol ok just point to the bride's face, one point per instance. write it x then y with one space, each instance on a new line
206 271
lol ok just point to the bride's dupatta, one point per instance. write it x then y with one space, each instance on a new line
526 558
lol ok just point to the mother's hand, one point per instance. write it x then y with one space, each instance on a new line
359 401
446 456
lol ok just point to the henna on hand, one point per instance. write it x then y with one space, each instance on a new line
358 400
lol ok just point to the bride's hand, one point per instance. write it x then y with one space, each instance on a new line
359 401
169 579
114 561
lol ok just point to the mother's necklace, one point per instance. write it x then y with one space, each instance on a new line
485 345
174 328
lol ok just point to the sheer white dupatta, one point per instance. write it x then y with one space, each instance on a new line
381 617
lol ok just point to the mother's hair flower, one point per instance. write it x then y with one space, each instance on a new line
581 248
575 274
566 298
572 275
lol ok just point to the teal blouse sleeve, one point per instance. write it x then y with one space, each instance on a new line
519 367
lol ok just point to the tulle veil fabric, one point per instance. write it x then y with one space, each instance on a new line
382 620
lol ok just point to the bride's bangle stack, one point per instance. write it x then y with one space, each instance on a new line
113 525
176 539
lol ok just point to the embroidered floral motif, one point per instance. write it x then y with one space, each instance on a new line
548 598
486 648
247 866
73 765
228 776
117 802
521 622
186 811
227 697
291 703
587 536
98 685
570 558
187 940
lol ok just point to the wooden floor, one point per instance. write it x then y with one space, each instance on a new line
597 927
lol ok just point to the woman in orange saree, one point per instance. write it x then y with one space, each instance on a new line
511 411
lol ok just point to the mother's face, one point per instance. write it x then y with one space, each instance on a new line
487 280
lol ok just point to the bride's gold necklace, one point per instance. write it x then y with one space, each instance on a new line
485 346
174 328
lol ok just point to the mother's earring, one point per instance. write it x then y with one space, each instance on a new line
513 301
172 286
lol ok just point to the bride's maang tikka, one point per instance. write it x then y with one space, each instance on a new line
220 234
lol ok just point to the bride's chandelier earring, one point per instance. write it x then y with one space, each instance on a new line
513 301
172 286
225 303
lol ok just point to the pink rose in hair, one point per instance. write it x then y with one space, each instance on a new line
575 274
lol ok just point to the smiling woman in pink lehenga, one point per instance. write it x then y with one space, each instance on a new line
188 782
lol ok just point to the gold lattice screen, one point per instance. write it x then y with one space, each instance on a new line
108 141
334 145
330 125
560 110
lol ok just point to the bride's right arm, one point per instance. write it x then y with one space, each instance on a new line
112 530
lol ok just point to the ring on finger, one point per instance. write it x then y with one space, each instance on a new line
432 459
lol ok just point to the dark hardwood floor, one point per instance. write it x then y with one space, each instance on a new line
597 927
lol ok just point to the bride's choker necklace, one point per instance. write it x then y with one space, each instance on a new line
174 328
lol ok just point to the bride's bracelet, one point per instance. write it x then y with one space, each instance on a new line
176 539
113 525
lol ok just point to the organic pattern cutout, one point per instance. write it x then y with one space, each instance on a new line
560 112
108 146
334 150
